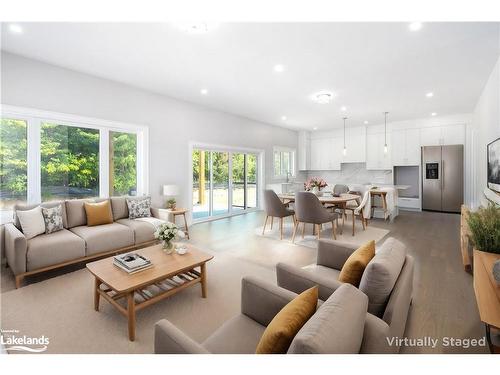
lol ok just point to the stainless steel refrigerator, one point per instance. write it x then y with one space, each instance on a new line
442 178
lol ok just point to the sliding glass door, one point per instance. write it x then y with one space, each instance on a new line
224 183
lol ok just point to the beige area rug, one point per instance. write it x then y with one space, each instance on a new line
360 236
62 309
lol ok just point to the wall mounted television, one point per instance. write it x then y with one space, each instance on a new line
494 165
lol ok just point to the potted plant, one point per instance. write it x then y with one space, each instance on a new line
315 184
171 203
484 225
167 233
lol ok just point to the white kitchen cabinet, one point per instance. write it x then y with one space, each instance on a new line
405 147
453 134
430 136
355 140
398 149
376 159
442 135
304 152
325 154
336 153
413 149
316 153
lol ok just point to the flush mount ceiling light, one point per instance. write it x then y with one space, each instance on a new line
343 108
429 94
197 27
365 122
415 26
433 114
323 97
204 91
315 128
279 68
15 28
283 118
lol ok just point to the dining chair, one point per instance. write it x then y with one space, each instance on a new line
357 209
276 208
309 210
340 189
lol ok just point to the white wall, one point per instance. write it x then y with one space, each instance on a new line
486 121
173 124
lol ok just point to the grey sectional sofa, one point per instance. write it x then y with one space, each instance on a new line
387 281
77 242
337 327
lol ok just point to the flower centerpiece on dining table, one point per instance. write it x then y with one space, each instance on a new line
315 184
167 233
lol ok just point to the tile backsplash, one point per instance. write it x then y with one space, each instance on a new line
354 173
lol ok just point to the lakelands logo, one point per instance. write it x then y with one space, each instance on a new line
431 342
13 341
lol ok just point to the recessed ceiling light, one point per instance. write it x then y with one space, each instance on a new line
15 28
365 122
278 68
204 91
315 128
415 26
197 27
323 97
433 114
429 94
343 108
283 118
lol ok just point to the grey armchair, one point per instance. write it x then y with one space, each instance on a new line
337 326
387 281
276 208
309 210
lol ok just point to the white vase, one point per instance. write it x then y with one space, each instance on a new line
316 191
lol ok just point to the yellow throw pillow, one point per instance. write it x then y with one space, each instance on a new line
279 334
355 265
98 213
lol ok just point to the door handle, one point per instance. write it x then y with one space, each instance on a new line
442 174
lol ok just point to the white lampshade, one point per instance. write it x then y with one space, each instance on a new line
170 190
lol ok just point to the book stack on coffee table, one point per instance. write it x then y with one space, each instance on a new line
132 262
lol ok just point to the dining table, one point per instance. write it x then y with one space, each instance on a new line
339 201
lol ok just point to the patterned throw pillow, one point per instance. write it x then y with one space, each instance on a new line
139 207
53 219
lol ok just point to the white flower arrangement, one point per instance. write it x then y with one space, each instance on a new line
167 232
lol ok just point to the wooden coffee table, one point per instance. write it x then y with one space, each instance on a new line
169 275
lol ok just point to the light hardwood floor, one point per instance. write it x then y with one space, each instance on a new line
443 301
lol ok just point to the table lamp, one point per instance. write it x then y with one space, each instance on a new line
170 191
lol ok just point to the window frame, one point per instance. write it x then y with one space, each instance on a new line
292 160
34 119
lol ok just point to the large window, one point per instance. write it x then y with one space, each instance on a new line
50 156
284 162
122 163
13 163
69 162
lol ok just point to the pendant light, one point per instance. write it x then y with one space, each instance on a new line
345 149
385 132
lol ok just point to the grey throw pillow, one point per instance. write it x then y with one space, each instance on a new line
53 219
381 275
139 207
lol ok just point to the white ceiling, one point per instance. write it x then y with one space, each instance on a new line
372 67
